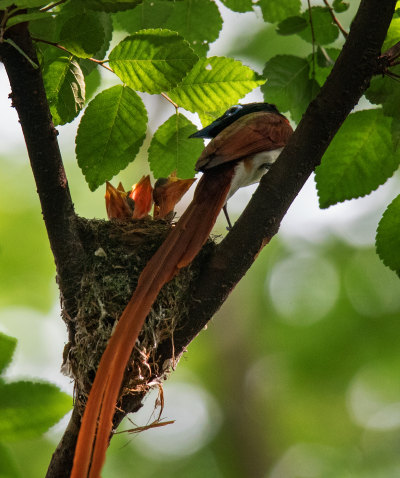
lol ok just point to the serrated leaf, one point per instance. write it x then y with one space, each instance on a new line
340 6
65 89
198 21
82 35
291 25
239 5
149 14
26 17
110 134
171 149
325 31
289 85
360 158
152 60
207 117
28 409
388 236
215 83
277 11
7 347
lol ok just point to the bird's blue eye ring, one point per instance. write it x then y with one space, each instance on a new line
234 109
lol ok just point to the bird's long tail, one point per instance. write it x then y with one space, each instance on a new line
178 250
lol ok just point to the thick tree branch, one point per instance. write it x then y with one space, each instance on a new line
29 98
357 63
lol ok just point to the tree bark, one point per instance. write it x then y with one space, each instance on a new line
29 99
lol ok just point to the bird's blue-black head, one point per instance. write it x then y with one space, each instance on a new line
231 115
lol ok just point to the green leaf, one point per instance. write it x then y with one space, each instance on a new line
110 134
340 6
360 158
384 91
28 409
207 117
7 347
152 60
214 83
277 11
326 58
88 66
198 21
388 237
393 34
8 465
25 3
65 89
395 133
239 5
291 25
171 149
325 31
26 17
149 14
82 35
111 5
289 85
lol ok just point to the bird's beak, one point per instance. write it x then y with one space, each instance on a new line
117 204
142 195
167 193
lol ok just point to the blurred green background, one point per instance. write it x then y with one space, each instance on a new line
297 376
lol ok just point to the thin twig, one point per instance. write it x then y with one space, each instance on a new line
60 47
335 20
52 5
312 38
164 95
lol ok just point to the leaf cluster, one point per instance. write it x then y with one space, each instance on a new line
27 408
165 53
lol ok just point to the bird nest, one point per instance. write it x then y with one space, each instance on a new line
115 254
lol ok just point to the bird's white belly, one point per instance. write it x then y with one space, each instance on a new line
244 176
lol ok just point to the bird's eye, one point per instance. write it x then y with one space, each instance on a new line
233 110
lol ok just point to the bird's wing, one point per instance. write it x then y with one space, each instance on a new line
250 134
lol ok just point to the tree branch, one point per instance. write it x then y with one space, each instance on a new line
357 63
29 98
229 261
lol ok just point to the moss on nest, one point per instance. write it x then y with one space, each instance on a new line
115 254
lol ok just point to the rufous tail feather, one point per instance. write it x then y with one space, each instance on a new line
179 248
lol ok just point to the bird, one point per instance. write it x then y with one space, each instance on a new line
245 141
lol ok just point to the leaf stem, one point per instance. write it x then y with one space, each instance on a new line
60 47
52 5
335 20
313 39
176 106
